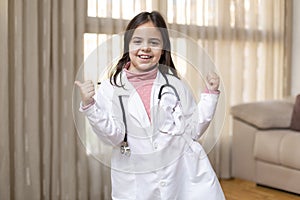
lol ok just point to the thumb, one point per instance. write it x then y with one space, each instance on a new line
78 83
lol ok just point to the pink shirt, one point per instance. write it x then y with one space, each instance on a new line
143 83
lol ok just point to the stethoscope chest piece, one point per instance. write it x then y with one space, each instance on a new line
125 149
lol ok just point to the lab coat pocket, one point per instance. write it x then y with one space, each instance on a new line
124 185
197 163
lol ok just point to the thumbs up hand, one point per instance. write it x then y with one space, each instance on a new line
87 91
213 81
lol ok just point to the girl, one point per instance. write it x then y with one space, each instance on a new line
152 121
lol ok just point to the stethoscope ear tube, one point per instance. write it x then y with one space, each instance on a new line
168 85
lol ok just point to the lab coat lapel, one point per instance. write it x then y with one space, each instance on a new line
136 108
158 82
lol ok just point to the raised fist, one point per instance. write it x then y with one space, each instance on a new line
213 81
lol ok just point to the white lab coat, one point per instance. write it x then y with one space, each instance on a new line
166 161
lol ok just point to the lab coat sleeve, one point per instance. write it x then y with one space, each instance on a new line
206 110
104 124
199 115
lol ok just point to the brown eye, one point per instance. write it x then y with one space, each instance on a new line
154 42
136 41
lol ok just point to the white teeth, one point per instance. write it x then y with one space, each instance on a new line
144 56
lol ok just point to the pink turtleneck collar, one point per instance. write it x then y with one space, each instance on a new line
137 78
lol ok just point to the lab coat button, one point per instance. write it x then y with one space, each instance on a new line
155 145
163 183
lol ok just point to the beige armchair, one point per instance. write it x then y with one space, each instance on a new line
264 148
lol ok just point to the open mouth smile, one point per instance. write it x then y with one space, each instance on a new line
145 56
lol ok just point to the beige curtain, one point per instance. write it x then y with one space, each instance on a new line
41 156
252 54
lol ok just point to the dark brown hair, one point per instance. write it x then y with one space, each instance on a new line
142 18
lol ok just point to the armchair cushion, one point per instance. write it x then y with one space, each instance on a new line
266 114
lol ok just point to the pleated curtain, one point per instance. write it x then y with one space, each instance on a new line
42 48
41 156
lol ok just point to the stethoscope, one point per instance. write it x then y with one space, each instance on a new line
125 149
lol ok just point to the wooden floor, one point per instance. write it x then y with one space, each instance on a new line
236 189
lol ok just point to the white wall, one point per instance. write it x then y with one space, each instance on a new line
295 81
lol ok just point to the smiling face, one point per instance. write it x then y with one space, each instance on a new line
145 48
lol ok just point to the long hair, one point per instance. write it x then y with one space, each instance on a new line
142 18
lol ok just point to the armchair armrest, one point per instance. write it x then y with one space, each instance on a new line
265 114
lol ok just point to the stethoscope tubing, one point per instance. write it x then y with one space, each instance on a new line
125 149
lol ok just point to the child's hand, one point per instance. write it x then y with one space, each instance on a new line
213 81
87 91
